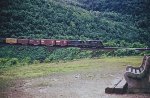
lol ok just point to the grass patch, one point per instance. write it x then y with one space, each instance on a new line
43 69
103 65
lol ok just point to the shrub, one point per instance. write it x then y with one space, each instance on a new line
5 62
126 52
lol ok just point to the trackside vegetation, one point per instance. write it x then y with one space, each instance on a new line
118 23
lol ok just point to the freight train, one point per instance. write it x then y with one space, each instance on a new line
52 42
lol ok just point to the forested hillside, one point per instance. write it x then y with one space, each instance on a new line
96 19
116 22
137 10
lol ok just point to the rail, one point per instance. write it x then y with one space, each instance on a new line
105 48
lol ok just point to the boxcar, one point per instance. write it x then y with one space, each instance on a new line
11 40
48 42
61 42
23 41
34 41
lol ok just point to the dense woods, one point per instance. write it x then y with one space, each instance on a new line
116 22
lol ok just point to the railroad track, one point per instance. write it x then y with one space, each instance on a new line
83 48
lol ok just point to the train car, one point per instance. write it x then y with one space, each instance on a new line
34 41
75 43
61 43
93 43
11 40
48 42
23 41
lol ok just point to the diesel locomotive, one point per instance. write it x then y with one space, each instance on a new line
53 42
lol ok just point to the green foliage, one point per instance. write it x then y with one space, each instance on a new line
125 52
119 23
22 52
67 54
57 20
26 61
135 12
125 44
8 62
28 54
